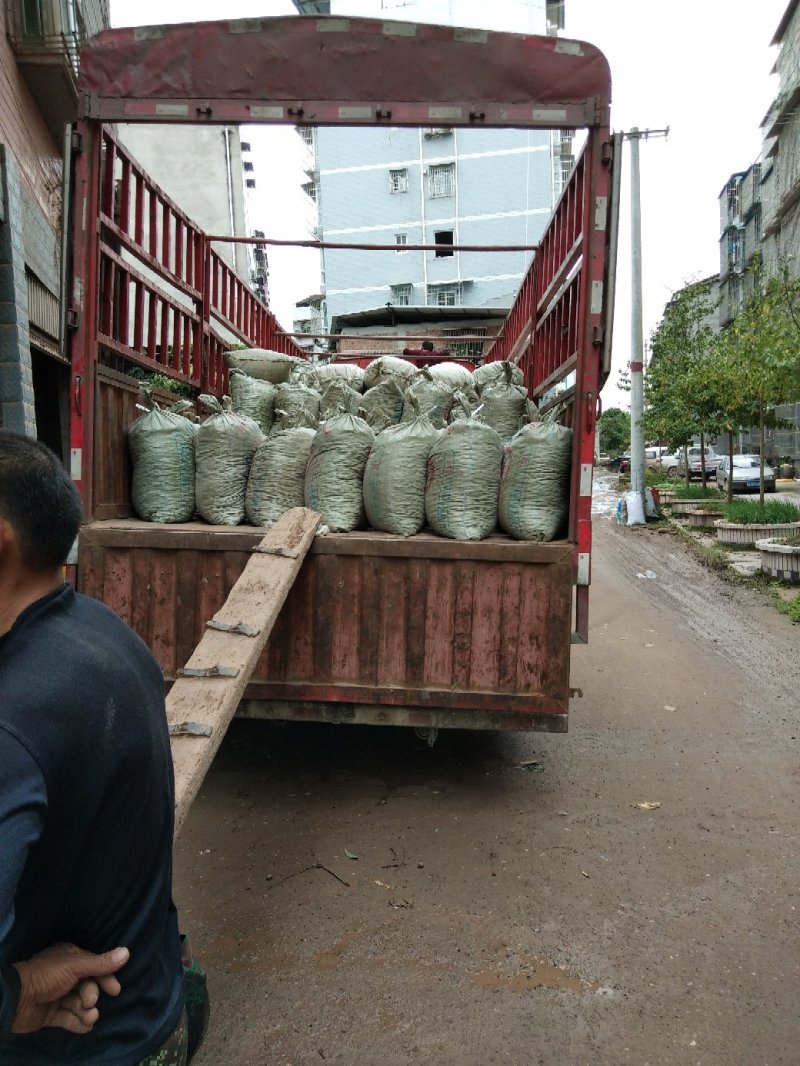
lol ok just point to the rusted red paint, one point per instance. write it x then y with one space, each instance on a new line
259 70
451 632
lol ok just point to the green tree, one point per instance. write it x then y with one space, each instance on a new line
680 387
759 356
615 431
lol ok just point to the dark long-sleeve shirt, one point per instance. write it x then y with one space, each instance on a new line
86 822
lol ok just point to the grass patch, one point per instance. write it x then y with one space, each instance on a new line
696 492
771 512
789 607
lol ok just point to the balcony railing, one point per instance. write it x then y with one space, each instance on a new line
47 36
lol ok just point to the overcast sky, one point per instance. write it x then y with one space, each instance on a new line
701 67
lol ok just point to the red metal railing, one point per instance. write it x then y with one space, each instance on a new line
543 329
166 298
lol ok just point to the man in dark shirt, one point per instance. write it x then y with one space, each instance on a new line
86 800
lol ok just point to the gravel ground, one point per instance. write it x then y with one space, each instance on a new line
511 901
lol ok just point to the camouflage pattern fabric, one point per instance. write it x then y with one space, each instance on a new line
188 1034
173 1052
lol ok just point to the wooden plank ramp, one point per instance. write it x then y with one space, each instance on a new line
205 696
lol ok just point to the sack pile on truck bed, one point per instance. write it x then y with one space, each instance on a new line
416 447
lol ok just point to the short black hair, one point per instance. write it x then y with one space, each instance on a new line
38 498
427 346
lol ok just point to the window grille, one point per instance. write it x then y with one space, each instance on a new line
467 349
445 295
401 295
441 180
398 180
437 131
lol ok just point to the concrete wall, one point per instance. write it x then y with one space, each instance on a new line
191 164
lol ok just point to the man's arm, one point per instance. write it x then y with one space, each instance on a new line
60 986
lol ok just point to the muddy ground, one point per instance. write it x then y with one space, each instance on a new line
511 902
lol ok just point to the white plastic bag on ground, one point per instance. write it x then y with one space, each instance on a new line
389 367
650 505
161 445
496 373
635 506
253 398
534 491
335 472
395 477
464 481
296 406
261 363
224 445
277 476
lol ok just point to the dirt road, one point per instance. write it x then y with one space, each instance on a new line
536 915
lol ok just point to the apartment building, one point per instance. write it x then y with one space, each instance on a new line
444 186
39 47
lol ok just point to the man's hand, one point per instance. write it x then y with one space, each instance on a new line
61 985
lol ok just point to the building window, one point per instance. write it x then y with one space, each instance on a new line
443 236
306 134
401 239
398 180
402 294
466 349
437 131
311 189
445 295
441 180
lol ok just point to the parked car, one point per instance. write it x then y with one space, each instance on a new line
695 459
668 462
746 474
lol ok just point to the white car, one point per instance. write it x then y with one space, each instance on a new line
668 461
746 474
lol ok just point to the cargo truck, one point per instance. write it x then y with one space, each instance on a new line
419 631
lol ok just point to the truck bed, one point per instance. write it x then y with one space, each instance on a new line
444 633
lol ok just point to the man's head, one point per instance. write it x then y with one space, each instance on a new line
40 509
427 346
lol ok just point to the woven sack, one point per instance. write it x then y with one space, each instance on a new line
349 372
428 396
224 445
161 445
335 472
304 373
296 406
395 477
338 399
277 476
382 405
504 407
496 373
389 367
534 492
254 398
452 374
261 363
464 481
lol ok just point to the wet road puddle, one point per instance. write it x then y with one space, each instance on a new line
540 975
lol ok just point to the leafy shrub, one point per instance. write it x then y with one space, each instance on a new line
696 492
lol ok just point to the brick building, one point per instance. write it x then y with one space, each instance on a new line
39 47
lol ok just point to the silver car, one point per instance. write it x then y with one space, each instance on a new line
746 474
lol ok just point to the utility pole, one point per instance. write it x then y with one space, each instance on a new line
637 331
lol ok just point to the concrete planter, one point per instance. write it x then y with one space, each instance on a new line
701 518
745 536
780 560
